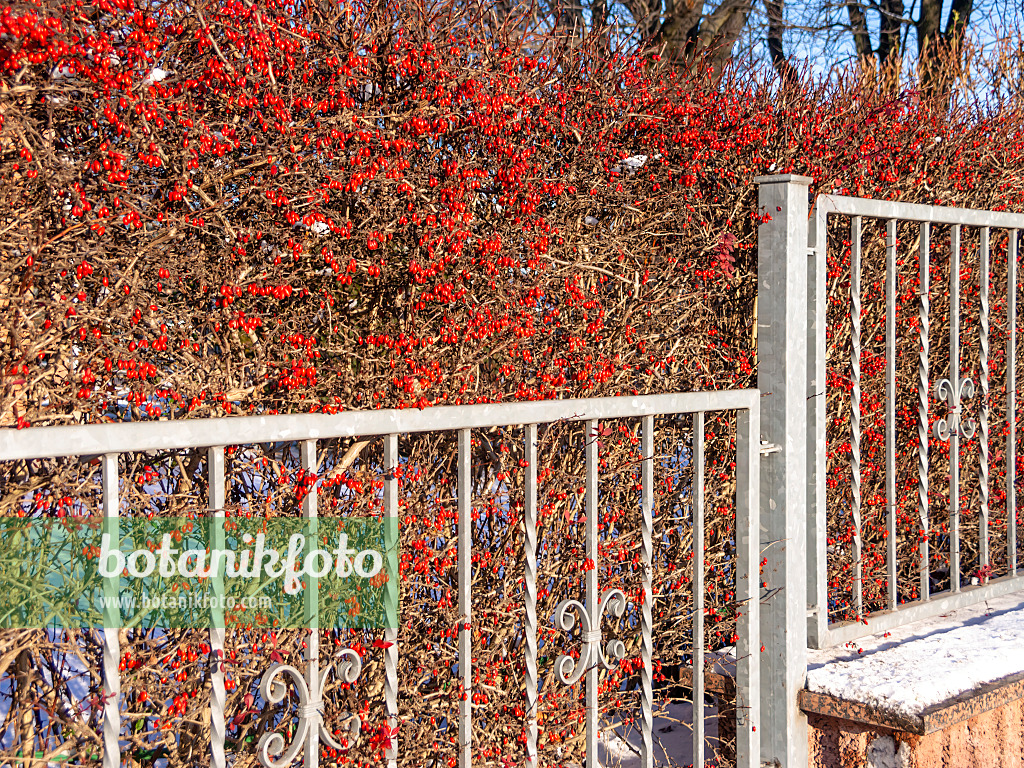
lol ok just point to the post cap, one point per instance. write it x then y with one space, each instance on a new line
784 178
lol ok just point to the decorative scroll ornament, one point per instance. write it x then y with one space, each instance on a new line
954 423
571 670
273 689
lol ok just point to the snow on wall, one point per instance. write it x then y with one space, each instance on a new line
925 663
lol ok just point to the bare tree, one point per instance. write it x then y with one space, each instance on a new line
682 30
893 22
886 36
687 31
776 27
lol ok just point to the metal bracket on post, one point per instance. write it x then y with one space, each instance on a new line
782 375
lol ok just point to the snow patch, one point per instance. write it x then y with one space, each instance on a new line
155 76
673 739
882 753
630 164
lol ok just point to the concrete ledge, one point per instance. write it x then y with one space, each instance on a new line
947 692
934 718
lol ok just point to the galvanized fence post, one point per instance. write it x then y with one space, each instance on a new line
782 378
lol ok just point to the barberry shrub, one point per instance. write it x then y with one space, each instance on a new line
230 208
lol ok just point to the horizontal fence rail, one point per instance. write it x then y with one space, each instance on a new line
98 439
108 441
953 389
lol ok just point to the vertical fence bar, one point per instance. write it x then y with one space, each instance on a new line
647 619
391 596
954 438
530 556
465 544
782 377
698 589
924 586
111 623
1011 405
890 412
311 599
593 599
855 502
218 694
748 586
817 515
983 468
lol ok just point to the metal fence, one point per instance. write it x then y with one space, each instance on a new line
794 358
108 441
952 388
